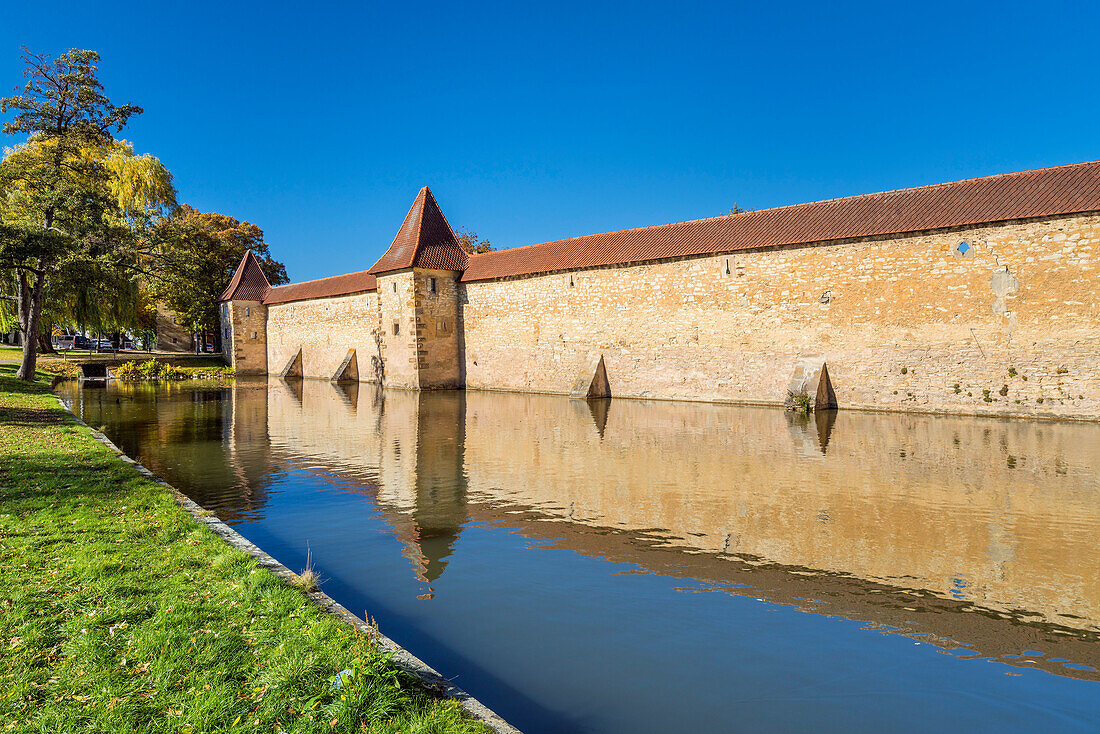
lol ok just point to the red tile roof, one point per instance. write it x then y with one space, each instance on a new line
337 285
1060 190
425 240
249 282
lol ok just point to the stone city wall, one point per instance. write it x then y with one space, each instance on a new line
324 330
904 323
244 336
1011 327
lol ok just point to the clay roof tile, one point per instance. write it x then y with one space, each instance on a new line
1060 190
248 283
425 240
337 285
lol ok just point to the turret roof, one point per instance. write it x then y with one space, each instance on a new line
425 240
249 282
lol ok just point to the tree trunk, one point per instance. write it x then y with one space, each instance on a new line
45 343
30 313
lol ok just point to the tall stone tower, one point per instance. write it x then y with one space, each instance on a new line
418 299
244 318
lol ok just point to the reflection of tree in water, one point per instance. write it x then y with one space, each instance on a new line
209 439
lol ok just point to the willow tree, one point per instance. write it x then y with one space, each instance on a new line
56 200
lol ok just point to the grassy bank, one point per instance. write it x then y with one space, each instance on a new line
120 613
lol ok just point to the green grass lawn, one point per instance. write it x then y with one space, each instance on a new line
120 613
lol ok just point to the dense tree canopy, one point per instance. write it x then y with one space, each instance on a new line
200 251
101 236
57 204
90 232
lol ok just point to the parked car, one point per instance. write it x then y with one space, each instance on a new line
104 344
81 342
64 342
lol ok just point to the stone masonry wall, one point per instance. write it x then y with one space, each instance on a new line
904 323
397 308
325 329
171 337
437 329
246 345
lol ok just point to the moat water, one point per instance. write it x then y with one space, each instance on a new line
633 566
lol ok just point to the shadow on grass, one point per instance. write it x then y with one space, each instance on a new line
31 416
56 475
9 383
59 465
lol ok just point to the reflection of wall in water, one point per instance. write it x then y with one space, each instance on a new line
1000 512
405 446
249 444
1007 508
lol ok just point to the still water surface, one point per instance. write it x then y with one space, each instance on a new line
633 566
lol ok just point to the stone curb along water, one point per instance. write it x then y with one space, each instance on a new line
405 660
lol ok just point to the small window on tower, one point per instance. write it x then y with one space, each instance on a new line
247 311
253 335
432 284
395 286
396 328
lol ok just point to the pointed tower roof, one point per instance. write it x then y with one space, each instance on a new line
425 240
249 282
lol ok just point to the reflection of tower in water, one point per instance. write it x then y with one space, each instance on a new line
249 454
440 481
429 463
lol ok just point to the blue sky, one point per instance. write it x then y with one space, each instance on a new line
320 122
